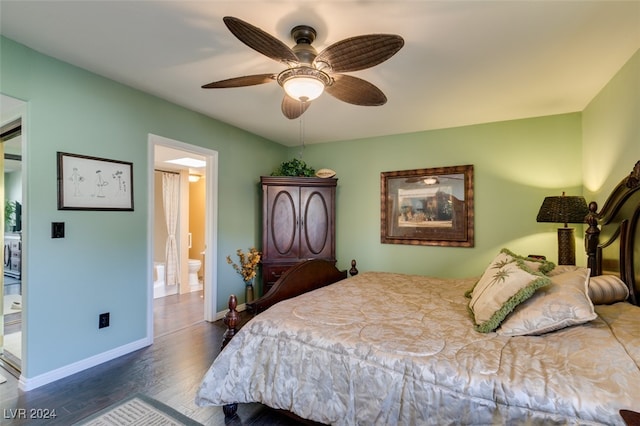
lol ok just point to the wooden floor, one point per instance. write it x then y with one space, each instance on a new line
170 371
173 313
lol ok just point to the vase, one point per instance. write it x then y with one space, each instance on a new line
249 291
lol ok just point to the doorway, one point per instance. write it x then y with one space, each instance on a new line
173 291
11 282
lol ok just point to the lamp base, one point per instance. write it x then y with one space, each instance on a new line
566 246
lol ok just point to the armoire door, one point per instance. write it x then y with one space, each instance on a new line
282 222
317 227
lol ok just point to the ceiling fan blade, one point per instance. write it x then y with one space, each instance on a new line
360 52
293 108
355 91
260 40
248 80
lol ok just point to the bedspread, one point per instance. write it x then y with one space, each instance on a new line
394 349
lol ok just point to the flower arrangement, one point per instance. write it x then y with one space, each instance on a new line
248 264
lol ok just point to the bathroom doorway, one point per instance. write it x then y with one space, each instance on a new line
183 212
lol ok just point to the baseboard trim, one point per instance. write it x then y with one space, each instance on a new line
30 383
220 315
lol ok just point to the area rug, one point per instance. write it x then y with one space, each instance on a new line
139 410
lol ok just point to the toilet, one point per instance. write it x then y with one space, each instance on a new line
194 266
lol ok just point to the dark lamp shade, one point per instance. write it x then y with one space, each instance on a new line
563 209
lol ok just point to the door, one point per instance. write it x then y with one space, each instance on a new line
283 223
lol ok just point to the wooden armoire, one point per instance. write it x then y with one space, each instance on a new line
298 223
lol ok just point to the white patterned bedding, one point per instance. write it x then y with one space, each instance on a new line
393 349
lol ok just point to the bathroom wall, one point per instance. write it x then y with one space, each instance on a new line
197 212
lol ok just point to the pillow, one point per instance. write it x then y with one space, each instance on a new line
603 289
507 282
607 289
562 304
562 269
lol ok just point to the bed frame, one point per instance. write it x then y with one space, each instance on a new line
612 240
612 244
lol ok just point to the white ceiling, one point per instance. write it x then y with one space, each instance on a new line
464 62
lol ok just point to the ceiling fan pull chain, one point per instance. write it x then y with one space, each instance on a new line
301 131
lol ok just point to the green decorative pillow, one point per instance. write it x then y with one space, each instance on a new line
539 265
508 281
562 304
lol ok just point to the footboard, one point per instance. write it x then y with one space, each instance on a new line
304 277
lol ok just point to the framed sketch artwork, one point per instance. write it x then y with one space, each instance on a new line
91 183
432 207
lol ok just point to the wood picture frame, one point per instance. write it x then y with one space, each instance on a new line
429 207
92 183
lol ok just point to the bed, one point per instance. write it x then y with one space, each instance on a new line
526 342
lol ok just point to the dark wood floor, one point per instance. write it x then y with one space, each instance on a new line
178 311
170 371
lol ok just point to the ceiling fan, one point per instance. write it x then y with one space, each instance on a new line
309 73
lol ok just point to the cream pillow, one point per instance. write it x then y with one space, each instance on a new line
507 282
603 289
562 304
563 269
607 289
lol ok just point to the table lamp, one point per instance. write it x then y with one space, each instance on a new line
564 210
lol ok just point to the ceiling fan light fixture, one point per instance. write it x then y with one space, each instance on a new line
303 89
303 83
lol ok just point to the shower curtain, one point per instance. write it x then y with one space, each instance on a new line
171 202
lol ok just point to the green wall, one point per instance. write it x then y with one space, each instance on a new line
611 132
516 164
101 264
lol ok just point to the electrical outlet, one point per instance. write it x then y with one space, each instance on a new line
103 320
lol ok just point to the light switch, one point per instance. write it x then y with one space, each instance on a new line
57 229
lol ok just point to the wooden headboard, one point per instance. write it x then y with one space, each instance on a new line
612 240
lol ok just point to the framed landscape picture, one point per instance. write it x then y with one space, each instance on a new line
431 207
